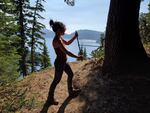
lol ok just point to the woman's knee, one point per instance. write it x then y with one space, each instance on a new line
56 80
70 75
68 70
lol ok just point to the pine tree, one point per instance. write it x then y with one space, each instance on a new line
81 52
8 60
8 43
99 52
22 20
84 54
7 17
45 57
36 31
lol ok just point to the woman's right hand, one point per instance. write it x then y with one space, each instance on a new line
80 57
76 34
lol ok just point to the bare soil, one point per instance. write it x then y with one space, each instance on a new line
99 94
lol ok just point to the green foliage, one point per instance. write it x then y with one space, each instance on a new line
11 99
99 52
36 37
9 42
20 38
45 62
22 10
84 54
30 103
8 69
145 26
8 59
7 23
80 52
15 105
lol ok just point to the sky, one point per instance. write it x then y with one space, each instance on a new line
90 15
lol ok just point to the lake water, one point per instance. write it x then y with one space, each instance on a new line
73 48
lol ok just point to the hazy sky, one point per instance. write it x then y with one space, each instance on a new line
84 15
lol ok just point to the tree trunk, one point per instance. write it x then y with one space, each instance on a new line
32 47
124 52
33 39
32 55
23 40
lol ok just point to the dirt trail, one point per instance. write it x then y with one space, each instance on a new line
120 94
37 86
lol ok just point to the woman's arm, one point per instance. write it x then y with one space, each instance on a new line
61 46
71 40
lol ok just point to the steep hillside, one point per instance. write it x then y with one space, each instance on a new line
118 94
38 84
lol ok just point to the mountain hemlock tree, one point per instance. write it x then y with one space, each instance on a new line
7 17
36 31
22 10
8 60
8 43
45 57
124 52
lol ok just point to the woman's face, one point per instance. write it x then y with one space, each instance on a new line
61 32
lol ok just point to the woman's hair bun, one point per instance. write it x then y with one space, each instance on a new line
51 22
56 25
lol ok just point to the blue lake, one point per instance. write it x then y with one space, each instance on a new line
73 48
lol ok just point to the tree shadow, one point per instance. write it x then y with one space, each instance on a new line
61 109
127 93
45 108
64 105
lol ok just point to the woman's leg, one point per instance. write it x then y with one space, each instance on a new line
58 75
72 92
50 99
70 74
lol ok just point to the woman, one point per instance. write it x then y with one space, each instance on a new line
61 61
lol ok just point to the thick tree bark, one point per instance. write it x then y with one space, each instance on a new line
124 51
